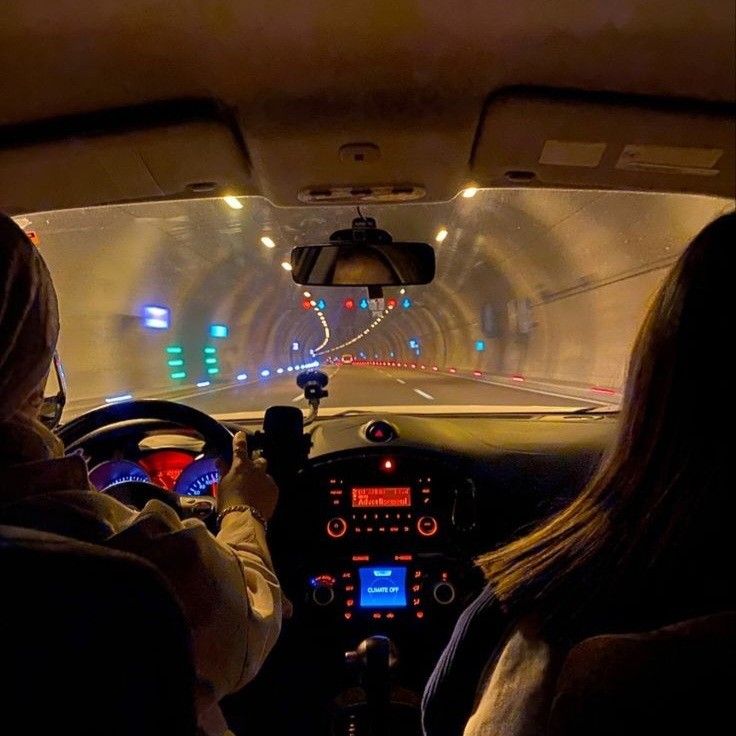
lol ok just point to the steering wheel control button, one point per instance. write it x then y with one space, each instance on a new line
337 527
427 526
443 593
323 595
380 432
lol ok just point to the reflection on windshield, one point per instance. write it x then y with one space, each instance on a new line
536 301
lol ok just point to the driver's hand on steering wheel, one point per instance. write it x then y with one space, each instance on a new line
246 482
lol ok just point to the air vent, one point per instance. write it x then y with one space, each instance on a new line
376 194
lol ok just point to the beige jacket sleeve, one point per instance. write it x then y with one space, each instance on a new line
227 585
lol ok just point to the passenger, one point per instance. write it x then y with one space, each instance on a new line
231 596
648 542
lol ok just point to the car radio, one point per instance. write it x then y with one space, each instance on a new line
402 510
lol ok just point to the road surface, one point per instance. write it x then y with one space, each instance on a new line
361 386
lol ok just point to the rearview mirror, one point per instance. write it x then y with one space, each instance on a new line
363 264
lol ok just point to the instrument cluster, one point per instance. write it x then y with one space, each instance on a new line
177 471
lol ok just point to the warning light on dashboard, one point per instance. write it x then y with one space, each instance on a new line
348 615
420 614
387 465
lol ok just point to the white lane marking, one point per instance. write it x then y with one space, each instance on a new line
424 394
298 397
400 381
538 391
210 390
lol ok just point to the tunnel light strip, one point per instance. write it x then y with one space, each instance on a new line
325 327
319 351
117 399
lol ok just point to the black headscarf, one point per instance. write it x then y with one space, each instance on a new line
29 318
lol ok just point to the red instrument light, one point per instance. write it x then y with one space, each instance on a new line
165 466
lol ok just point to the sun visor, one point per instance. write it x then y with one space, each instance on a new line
564 139
148 152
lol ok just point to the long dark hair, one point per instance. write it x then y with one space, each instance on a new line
652 527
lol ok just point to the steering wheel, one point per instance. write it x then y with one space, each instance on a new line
151 413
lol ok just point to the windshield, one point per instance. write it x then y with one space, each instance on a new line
536 301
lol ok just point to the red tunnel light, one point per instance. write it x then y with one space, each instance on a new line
517 378
603 390
453 370
414 366
435 368
477 374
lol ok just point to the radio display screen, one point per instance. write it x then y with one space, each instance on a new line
382 587
381 497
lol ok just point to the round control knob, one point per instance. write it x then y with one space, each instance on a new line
444 593
427 526
337 527
323 595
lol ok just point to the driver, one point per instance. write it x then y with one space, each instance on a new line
227 585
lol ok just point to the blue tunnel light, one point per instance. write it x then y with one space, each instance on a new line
155 317
219 331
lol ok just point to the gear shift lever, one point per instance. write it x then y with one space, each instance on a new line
376 656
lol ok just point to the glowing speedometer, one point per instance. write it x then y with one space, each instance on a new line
199 479
113 472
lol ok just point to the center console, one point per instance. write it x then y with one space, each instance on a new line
375 554
386 557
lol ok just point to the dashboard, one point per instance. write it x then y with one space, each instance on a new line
376 535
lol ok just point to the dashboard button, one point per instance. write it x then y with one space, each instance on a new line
427 526
380 432
443 593
337 527
323 595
